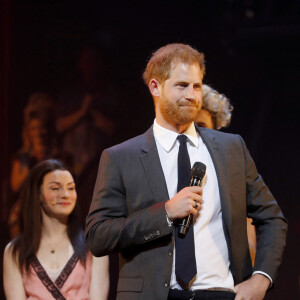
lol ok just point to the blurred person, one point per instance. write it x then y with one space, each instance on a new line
142 193
88 106
215 113
49 258
216 109
41 103
87 121
36 147
38 137
39 142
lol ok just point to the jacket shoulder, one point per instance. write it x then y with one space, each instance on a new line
134 144
218 135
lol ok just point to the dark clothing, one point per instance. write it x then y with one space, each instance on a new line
200 295
127 213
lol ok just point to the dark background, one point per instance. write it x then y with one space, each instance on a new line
251 50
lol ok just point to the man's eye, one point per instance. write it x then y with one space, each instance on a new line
54 189
183 85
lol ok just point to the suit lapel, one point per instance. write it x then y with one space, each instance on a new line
222 174
152 167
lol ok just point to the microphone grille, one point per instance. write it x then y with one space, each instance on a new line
198 170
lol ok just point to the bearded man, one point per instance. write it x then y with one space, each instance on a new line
142 193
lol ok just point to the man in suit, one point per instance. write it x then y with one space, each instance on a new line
136 206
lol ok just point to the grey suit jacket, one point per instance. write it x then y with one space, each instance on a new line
127 213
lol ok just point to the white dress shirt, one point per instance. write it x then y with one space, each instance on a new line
210 245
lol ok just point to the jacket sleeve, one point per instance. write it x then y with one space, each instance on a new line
270 224
109 225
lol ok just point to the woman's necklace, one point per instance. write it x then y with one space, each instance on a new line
53 248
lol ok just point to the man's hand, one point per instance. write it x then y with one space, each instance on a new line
184 203
254 288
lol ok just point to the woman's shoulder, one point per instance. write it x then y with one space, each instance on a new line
9 248
12 276
10 255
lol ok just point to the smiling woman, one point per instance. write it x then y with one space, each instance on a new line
50 257
58 194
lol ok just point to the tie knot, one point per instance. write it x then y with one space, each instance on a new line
182 138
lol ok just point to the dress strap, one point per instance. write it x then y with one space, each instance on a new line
41 273
66 271
59 282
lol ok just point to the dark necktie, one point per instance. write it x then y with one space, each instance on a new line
185 260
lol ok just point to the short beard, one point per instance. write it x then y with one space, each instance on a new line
174 114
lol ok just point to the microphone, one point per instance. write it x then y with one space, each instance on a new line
197 174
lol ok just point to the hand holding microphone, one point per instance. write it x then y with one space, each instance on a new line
183 204
197 175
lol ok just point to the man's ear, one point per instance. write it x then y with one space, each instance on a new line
154 87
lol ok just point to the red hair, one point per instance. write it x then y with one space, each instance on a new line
160 64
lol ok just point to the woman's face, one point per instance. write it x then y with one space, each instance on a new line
204 119
58 194
36 130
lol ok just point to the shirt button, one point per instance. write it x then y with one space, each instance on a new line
166 284
170 252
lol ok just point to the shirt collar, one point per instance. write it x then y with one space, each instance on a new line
167 137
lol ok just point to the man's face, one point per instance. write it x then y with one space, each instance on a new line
180 95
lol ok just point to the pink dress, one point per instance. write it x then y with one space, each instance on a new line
72 284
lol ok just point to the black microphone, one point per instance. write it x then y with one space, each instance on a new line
197 174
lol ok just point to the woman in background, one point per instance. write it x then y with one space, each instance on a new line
49 258
39 142
38 137
216 109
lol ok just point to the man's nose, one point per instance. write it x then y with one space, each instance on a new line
190 93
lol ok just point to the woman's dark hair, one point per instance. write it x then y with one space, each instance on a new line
27 243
